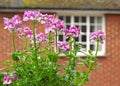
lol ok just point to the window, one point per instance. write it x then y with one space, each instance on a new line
87 24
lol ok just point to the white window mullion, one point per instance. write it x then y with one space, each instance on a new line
103 28
72 20
88 32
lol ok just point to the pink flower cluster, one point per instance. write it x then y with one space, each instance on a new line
73 31
63 46
26 32
38 16
41 37
98 36
13 23
55 24
8 80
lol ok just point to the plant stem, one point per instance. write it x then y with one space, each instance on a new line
13 42
25 40
34 39
56 40
97 47
84 53
91 65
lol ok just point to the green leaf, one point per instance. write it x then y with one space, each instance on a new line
90 52
15 56
7 62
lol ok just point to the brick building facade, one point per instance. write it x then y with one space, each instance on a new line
107 73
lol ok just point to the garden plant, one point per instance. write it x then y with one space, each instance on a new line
37 64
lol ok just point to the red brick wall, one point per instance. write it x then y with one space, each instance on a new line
106 74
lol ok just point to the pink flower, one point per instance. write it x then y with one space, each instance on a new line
38 16
26 32
17 22
48 29
13 23
41 37
6 79
63 46
98 36
55 24
45 18
31 15
73 31
14 77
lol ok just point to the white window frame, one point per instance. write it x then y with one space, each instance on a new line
101 53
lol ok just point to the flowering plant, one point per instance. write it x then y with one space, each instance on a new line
37 65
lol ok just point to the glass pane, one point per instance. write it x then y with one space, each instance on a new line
92 47
76 39
84 47
92 19
99 19
83 38
83 19
67 26
83 28
99 27
67 19
100 47
76 19
60 37
67 39
61 17
77 26
92 28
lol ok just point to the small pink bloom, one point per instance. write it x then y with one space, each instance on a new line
63 46
41 37
98 36
26 32
14 77
73 31
55 25
6 79
13 23
31 15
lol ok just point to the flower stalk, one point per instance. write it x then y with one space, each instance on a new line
56 33
34 39
13 41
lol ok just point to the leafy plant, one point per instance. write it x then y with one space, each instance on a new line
36 66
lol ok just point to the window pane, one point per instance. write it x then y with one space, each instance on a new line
61 17
60 37
92 28
83 19
99 19
92 19
99 27
67 19
76 39
76 19
77 26
84 47
67 26
83 38
92 47
67 39
100 47
83 28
